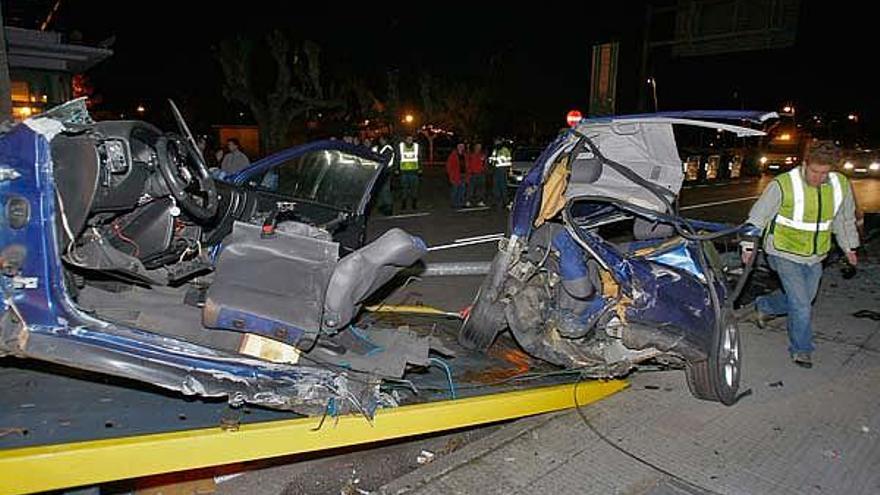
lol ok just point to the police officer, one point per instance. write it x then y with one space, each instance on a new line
410 170
500 159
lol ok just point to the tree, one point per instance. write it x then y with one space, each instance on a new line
392 105
461 107
297 88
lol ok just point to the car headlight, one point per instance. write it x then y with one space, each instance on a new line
763 160
874 167
848 166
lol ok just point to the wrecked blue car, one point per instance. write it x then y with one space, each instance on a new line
121 255
571 297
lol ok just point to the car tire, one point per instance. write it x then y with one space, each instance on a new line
486 318
717 377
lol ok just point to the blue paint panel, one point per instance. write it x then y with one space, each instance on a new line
571 258
678 256
28 154
675 299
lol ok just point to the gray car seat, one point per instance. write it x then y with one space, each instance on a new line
290 286
359 274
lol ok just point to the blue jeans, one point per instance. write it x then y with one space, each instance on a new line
800 282
457 192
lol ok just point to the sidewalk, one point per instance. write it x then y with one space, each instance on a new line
800 431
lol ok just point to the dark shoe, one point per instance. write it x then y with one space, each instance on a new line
802 359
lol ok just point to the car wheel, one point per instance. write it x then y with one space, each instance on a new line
717 378
486 318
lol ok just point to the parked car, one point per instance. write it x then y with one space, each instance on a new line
575 299
522 160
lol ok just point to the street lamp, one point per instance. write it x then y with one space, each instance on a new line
653 83
853 117
408 118
140 109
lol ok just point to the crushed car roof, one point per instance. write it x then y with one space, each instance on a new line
644 144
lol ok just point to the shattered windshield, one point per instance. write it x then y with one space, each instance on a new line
330 177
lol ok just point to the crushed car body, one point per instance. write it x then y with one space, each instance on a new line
575 299
123 256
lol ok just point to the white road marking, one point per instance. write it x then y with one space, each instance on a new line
480 237
718 203
405 215
462 244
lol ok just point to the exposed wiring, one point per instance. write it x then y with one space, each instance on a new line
383 302
196 247
68 231
357 404
118 231
330 409
183 254
604 438
215 251
339 370
404 383
64 221
445 366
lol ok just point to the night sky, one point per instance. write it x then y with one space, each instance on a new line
164 49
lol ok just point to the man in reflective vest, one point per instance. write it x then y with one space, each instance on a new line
500 159
410 170
799 211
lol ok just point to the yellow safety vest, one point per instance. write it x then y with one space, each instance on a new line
501 157
803 224
409 157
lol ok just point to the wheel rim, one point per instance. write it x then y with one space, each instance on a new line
729 355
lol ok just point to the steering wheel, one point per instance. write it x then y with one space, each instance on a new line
184 170
187 177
